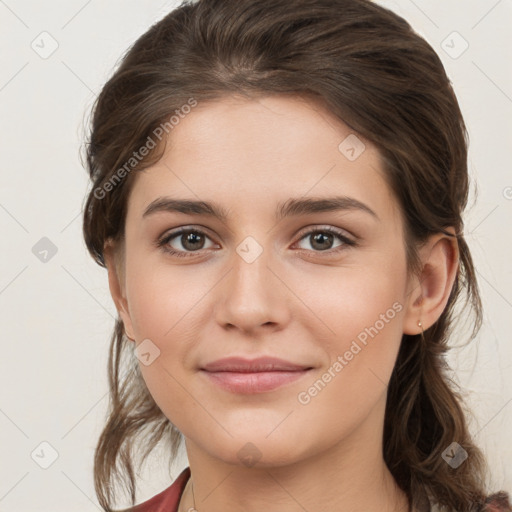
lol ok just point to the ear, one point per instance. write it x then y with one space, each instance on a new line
114 261
428 293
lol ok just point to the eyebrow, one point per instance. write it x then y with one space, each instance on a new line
291 207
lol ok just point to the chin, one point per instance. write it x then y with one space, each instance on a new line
256 453
254 447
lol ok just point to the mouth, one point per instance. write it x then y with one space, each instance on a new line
239 375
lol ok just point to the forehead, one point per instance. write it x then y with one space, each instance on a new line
252 154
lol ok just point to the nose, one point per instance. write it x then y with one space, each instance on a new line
252 296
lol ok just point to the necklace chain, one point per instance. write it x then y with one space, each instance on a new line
192 509
193 498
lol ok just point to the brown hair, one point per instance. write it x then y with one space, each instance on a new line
372 71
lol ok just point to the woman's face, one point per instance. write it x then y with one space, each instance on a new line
308 266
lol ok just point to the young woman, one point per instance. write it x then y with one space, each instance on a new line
277 194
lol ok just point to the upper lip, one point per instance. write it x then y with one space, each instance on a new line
260 364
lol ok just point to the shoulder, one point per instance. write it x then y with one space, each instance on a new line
166 501
498 502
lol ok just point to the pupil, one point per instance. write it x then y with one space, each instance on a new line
321 238
191 239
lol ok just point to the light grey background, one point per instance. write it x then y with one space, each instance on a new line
57 315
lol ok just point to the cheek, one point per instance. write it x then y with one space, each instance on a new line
169 306
359 312
163 298
350 301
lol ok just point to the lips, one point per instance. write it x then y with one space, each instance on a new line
249 376
261 364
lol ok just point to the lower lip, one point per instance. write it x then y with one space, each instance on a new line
258 382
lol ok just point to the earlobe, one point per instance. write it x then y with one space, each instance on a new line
431 290
117 287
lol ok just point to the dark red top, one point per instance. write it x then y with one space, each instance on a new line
169 499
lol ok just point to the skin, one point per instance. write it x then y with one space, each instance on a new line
294 301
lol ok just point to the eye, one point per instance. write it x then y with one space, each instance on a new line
183 241
322 240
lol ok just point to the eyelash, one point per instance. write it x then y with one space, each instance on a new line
163 241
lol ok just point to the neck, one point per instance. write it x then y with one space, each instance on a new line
350 476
